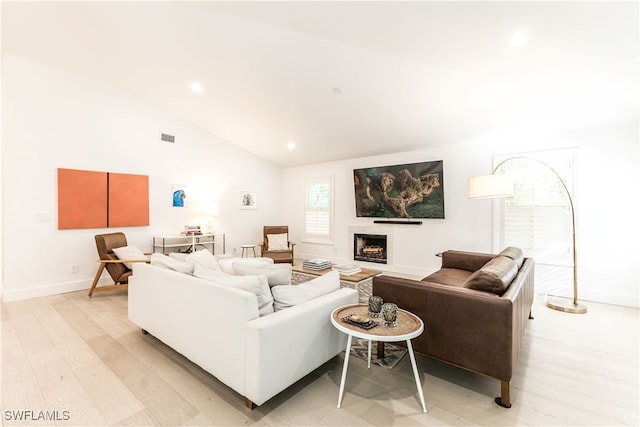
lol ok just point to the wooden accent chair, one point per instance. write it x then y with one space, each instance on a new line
280 248
116 268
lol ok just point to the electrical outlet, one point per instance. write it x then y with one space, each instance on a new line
75 269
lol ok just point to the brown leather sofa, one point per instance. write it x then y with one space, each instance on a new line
475 311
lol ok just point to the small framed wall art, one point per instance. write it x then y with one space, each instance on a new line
248 200
179 194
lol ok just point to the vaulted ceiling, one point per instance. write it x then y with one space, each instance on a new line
348 79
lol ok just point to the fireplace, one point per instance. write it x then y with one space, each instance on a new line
370 248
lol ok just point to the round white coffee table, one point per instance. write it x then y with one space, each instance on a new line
409 326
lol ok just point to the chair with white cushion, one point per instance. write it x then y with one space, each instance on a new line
276 244
117 257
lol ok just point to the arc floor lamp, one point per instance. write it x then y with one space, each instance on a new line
498 185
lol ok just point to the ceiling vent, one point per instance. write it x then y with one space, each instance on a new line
168 138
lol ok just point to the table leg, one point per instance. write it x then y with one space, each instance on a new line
415 374
369 354
344 370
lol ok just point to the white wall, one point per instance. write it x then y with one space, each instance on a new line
606 199
54 119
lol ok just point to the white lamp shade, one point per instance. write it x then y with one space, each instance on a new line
489 186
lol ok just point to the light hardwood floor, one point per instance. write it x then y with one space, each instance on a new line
71 353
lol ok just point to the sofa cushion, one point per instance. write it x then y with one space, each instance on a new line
256 285
495 276
290 295
129 253
171 263
277 274
180 256
226 264
204 259
449 276
513 253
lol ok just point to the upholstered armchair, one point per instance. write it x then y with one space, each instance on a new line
276 244
117 268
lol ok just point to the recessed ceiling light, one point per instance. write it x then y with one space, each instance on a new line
196 87
291 145
336 90
518 39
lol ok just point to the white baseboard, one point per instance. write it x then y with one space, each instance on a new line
609 298
47 290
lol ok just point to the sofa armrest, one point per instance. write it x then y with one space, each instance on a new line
464 327
285 346
461 260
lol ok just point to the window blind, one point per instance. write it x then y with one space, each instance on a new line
318 208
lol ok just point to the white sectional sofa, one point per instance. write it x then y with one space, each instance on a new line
218 327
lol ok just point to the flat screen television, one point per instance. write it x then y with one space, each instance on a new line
413 190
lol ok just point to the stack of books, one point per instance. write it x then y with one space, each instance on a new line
316 264
191 230
347 270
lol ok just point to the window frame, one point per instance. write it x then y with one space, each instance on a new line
325 239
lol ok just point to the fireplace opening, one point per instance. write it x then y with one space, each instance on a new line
370 248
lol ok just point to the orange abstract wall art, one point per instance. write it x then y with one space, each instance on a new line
88 199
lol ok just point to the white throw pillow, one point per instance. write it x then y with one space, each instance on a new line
256 285
130 253
203 258
278 242
180 256
277 274
287 296
171 263
226 264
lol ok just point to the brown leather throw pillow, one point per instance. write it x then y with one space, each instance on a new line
495 276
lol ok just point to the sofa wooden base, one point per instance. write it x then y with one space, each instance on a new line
249 404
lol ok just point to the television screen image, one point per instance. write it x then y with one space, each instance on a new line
412 190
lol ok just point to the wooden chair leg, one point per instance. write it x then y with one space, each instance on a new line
96 279
505 395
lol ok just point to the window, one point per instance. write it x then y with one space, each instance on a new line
538 217
319 210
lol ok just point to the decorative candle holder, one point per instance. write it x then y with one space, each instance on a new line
390 314
375 306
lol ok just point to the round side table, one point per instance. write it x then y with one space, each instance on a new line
409 326
246 248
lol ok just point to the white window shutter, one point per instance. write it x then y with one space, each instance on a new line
318 208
